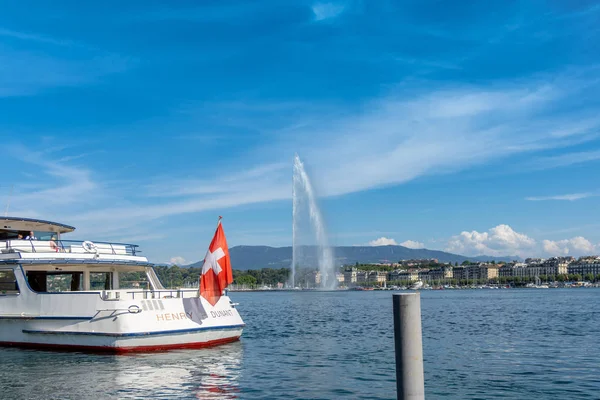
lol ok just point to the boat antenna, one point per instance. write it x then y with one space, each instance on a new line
8 201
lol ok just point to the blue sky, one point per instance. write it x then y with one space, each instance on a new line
467 126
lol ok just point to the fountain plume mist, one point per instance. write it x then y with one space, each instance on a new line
302 189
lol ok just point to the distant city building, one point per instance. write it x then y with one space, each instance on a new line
507 270
419 262
556 265
458 273
350 275
534 260
314 279
537 267
588 265
377 276
404 275
394 275
442 273
481 271
362 276
423 275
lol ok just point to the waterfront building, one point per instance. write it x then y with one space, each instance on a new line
458 273
556 265
472 271
585 266
488 271
395 275
537 267
362 276
350 275
442 273
314 279
404 275
506 270
423 275
481 271
517 269
377 276
340 277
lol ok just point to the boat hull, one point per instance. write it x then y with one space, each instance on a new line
100 344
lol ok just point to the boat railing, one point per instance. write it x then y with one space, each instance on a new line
127 294
70 246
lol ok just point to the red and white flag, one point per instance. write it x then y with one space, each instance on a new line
216 272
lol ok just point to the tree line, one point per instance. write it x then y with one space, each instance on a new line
174 276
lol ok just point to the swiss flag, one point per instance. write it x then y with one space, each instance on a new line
216 272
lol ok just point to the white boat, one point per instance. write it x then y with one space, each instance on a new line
417 285
68 294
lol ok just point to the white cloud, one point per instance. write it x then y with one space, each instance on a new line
576 246
25 72
423 133
233 197
501 240
262 176
55 183
566 159
324 11
177 260
383 241
34 37
437 132
411 244
567 197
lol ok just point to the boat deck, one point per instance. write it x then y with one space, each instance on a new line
141 294
67 246
65 251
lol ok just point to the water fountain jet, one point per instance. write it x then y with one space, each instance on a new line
302 190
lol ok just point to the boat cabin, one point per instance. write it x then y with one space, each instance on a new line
37 236
48 263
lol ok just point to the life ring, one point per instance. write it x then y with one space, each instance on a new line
89 247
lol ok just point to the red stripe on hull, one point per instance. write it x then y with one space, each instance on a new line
119 350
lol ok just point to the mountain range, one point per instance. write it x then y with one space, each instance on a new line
257 257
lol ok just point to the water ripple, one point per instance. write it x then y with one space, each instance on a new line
509 344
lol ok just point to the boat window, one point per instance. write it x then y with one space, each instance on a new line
37 280
8 282
44 235
133 280
101 280
14 235
44 281
10 235
64 282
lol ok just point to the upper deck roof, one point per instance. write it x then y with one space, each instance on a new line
29 224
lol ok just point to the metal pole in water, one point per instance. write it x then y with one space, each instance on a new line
410 382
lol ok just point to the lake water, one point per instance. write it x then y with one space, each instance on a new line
478 344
